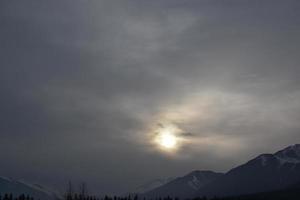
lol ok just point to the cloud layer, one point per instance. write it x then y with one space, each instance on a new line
83 82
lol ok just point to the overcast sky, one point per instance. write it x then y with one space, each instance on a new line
84 85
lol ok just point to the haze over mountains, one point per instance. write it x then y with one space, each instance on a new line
266 172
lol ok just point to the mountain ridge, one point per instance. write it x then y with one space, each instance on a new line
181 186
265 172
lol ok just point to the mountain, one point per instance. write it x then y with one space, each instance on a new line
266 172
152 185
184 186
19 187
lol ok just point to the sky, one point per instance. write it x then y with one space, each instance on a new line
87 86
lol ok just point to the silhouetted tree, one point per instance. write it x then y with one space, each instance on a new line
83 190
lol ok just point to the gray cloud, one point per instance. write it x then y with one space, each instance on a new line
82 81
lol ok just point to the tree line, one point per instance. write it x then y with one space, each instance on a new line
10 196
82 194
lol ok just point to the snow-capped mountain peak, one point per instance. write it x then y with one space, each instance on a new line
266 172
290 154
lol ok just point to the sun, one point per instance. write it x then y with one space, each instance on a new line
167 139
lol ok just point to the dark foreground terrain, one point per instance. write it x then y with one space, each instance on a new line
292 193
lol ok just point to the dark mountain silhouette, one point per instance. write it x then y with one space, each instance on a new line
266 172
186 185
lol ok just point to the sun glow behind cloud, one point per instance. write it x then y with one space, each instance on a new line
192 125
166 138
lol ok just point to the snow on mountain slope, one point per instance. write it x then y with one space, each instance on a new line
20 187
290 154
184 186
152 185
266 172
